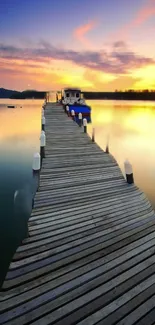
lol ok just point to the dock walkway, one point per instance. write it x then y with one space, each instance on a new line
90 257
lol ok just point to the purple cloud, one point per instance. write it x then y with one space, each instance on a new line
118 61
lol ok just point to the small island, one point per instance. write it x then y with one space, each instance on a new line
26 94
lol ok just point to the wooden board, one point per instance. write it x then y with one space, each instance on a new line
89 258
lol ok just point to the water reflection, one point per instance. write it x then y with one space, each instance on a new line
130 127
19 139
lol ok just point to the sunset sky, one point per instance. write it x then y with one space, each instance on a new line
93 44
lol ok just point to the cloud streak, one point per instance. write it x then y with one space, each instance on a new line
80 33
117 61
144 13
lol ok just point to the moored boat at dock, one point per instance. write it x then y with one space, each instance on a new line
73 98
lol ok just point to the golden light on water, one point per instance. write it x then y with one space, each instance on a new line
141 120
20 128
21 120
130 127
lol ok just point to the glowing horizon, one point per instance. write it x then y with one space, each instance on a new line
95 46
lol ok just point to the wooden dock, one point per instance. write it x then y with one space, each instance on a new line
90 257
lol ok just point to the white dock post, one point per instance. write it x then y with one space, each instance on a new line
80 119
73 114
36 173
42 145
128 172
67 110
85 125
36 163
43 122
42 112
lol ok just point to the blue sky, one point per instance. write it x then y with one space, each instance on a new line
78 26
54 20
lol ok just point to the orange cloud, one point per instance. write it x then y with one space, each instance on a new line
80 33
142 15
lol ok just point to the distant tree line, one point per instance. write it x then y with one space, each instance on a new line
129 94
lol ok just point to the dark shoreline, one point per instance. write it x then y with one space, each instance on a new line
147 96
144 95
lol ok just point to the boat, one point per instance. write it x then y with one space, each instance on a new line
74 99
11 106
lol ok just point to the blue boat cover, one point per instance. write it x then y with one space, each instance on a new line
80 108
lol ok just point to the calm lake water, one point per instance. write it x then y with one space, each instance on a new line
130 127
19 139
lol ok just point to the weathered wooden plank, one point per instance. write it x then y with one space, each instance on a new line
137 254
69 237
78 167
90 178
127 308
149 318
147 283
92 241
60 233
87 239
89 195
127 195
67 215
133 317
19 275
80 307
84 189
87 266
139 312
90 253
105 220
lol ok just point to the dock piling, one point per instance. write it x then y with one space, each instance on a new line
85 125
67 110
107 145
128 172
80 119
107 148
36 163
36 170
43 121
93 135
42 145
42 112
73 114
